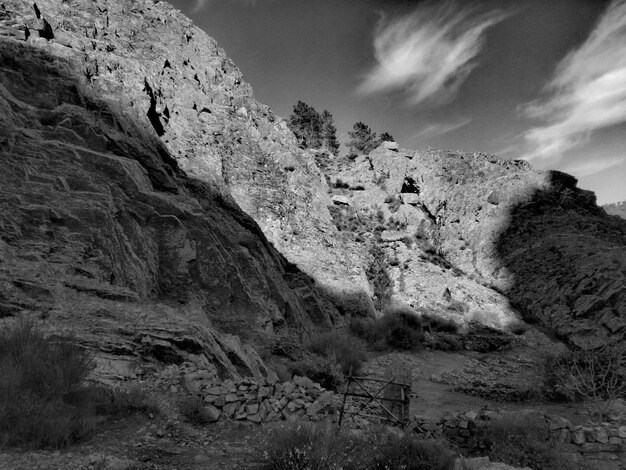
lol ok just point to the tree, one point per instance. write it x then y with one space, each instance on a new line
306 123
363 139
386 137
329 133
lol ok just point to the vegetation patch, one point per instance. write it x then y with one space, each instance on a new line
596 376
330 357
314 446
378 276
45 401
520 440
398 328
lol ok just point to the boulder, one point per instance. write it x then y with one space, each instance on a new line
341 200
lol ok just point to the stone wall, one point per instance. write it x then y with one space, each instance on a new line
261 400
601 447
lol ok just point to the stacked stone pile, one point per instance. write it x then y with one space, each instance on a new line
600 447
261 400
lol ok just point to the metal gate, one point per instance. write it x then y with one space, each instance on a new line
393 398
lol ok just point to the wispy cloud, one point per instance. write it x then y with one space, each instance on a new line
429 53
587 92
200 5
591 167
440 128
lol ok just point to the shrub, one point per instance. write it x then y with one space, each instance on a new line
44 399
413 454
403 329
42 389
440 324
192 408
518 327
397 328
341 184
520 440
287 344
318 447
378 276
119 402
324 370
314 447
347 351
597 376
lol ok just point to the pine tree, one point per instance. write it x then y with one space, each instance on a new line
306 123
386 137
363 139
329 133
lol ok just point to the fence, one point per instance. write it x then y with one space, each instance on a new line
393 398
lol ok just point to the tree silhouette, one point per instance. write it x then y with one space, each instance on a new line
306 123
386 137
329 133
363 139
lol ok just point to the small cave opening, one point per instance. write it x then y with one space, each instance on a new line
410 186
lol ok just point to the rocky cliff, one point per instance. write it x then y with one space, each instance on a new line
149 58
103 234
479 237
144 186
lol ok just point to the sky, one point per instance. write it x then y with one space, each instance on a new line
542 80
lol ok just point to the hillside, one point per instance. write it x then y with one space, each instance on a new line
154 210
510 237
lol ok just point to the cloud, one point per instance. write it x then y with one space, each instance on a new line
429 53
587 91
441 128
592 167
200 5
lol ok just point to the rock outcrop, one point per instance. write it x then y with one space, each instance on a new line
147 57
498 237
172 143
103 234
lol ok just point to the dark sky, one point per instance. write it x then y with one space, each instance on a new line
543 80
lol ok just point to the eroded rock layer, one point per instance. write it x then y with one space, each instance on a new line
148 57
103 234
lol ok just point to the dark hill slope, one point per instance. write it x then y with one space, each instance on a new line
101 233
151 60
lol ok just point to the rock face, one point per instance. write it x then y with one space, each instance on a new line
130 142
102 233
147 57
502 233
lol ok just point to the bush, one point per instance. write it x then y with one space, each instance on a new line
192 408
41 389
378 276
442 325
324 370
347 351
119 402
403 329
318 447
398 328
597 376
314 447
413 454
520 440
44 399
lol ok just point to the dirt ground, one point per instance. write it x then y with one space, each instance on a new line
167 441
